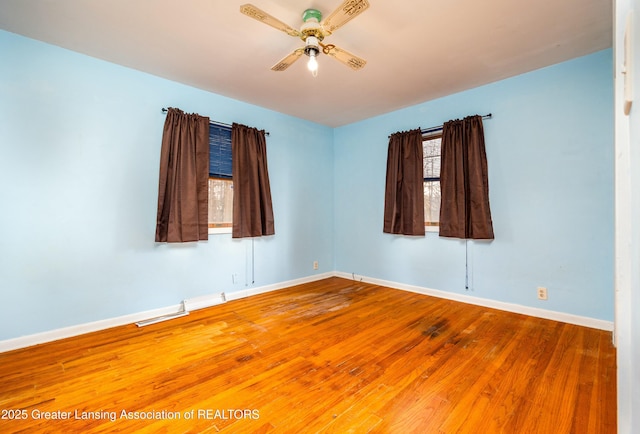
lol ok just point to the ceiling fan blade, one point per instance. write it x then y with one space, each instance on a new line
288 61
260 15
344 13
352 61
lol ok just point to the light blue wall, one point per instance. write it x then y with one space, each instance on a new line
79 157
550 158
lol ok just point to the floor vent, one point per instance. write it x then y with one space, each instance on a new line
182 312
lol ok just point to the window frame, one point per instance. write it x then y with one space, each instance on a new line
432 134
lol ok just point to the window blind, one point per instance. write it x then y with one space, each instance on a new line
220 151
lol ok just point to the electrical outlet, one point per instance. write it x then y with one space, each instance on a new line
542 293
315 265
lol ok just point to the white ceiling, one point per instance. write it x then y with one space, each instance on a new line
416 50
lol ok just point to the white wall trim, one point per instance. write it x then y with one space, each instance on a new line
80 329
508 307
268 288
191 304
203 301
209 300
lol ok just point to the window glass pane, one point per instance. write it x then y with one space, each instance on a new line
431 174
432 203
431 159
220 202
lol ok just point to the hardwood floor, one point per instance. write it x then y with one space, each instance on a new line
333 356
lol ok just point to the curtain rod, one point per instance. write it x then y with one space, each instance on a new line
439 127
221 124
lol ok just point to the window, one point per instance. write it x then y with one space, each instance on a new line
431 174
220 180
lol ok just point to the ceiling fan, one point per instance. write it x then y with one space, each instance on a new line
313 31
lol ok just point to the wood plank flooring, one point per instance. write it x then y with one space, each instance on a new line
334 356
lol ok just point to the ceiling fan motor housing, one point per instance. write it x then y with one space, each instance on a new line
311 26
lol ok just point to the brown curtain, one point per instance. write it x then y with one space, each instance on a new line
464 183
252 210
184 171
404 192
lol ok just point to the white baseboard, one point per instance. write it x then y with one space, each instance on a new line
80 329
509 307
189 305
268 288
203 301
210 300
